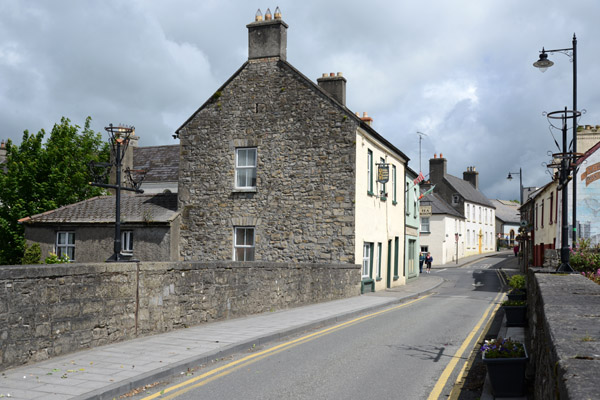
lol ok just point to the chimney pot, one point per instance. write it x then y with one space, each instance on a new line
340 74
434 155
258 16
268 15
277 13
441 155
324 75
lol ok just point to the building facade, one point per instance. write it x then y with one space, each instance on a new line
412 247
463 195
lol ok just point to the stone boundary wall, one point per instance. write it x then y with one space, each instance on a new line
564 334
51 310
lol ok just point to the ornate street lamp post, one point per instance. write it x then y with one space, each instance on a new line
565 162
119 137
543 64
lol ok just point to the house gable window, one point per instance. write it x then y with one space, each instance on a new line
127 242
245 168
65 244
243 243
455 199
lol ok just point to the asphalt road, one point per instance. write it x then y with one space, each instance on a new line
414 350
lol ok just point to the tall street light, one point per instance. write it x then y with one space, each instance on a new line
509 177
543 64
119 137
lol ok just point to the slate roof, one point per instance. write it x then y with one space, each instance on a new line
468 191
507 211
440 206
160 162
145 208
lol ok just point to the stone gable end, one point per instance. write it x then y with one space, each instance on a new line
303 204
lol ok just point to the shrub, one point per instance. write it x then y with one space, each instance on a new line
54 259
585 257
517 281
32 255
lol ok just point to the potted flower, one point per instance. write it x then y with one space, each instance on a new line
505 360
517 287
516 312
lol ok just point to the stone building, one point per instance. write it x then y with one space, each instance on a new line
85 231
276 168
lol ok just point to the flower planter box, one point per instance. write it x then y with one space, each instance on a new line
519 294
507 375
515 315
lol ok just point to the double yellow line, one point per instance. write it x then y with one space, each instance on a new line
443 379
226 369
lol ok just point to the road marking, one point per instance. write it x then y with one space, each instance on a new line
441 383
234 365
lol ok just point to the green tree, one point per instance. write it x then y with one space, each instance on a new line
43 176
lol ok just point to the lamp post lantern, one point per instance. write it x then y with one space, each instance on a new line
543 63
509 177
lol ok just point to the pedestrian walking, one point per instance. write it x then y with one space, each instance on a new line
428 261
516 250
421 261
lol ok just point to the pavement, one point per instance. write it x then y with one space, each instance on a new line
109 371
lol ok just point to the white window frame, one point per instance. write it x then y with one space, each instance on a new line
247 167
127 242
67 246
423 225
249 249
369 171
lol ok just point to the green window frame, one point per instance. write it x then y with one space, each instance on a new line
396 250
378 272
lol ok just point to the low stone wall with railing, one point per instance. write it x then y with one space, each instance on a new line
49 310
564 334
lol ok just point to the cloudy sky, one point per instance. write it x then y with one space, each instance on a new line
459 71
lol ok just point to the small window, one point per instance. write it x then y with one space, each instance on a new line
127 242
243 243
65 244
378 271
425 224
455 199
245 168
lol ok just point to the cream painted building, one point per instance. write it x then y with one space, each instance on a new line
379 212
443 233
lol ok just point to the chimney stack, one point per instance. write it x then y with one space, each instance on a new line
472 176
437 169
267 38
335 85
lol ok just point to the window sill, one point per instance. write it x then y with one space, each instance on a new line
378 279
369 193
394 203
244 190
425 232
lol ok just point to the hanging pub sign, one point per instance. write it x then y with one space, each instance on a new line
425 211
383 173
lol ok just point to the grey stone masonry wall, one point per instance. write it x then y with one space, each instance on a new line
564 335
303 205
49 310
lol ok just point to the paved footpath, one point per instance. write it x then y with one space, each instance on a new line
108 371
